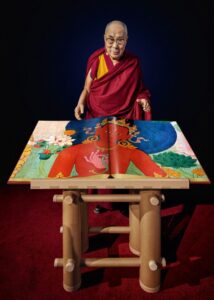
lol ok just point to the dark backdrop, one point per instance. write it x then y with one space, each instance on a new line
46 45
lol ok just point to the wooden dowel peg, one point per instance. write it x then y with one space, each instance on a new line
110 229
163 262
163 198
68 199
58 198
58 262
70 264
154 201
153 266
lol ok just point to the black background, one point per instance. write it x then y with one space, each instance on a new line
46 44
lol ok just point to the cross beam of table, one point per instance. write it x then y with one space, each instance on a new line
124 183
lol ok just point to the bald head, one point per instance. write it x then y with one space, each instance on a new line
115 37
118 25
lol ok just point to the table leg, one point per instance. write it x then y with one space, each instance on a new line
134 224
71 241
84 227
150 240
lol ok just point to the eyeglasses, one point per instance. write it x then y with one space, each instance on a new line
110 41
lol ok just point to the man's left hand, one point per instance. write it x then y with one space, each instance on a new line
144 103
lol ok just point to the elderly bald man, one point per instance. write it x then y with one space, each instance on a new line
114 84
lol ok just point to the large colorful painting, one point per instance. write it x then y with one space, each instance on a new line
108 146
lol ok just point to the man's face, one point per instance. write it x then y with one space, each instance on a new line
115 41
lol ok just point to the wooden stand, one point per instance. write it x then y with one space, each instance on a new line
144 215
144 237
144 226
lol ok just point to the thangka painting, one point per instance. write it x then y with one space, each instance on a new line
108 146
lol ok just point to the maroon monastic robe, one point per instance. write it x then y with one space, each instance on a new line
115 93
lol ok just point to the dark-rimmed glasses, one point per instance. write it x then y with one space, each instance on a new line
120 41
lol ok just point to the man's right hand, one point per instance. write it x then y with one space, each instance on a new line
78 111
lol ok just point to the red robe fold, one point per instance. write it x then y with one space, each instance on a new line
115 93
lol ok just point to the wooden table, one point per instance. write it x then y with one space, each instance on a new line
144 226
144 200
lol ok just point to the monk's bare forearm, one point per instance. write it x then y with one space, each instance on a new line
79 109
83 97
